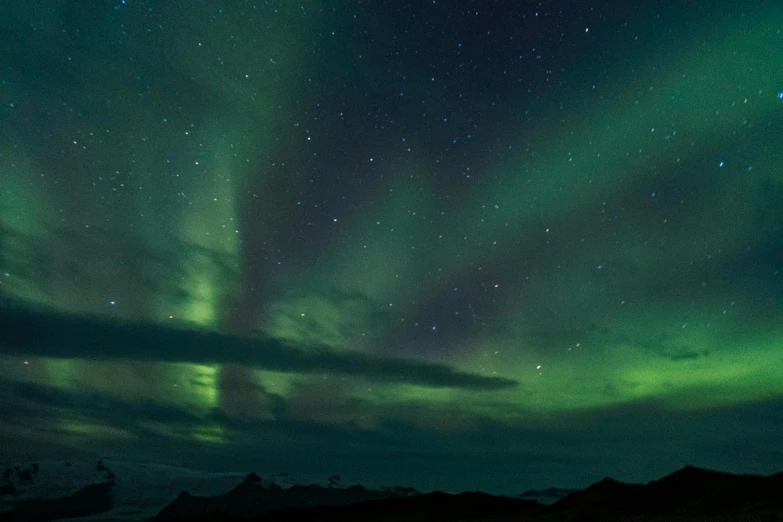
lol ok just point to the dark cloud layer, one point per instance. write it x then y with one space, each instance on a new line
47 334
630 442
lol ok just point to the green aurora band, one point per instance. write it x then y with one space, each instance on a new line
584 288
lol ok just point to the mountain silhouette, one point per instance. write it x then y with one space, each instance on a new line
697 490
688 494
435 506
553 493
250 499
92 499
599 497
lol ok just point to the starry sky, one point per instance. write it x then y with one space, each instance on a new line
460 245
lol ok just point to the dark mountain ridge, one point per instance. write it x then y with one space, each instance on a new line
688 494
92 499
424 507
250 500
547 493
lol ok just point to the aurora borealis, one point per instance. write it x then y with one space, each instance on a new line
461 245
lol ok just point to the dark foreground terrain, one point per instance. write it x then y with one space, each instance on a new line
688 494
89 500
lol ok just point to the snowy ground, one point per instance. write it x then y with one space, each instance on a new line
141 490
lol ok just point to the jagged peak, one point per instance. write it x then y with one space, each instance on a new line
252 478
609 481
690 472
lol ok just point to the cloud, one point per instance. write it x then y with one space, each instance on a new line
131 268
570 448
28 332
686 355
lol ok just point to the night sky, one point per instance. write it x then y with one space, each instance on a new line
448 244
